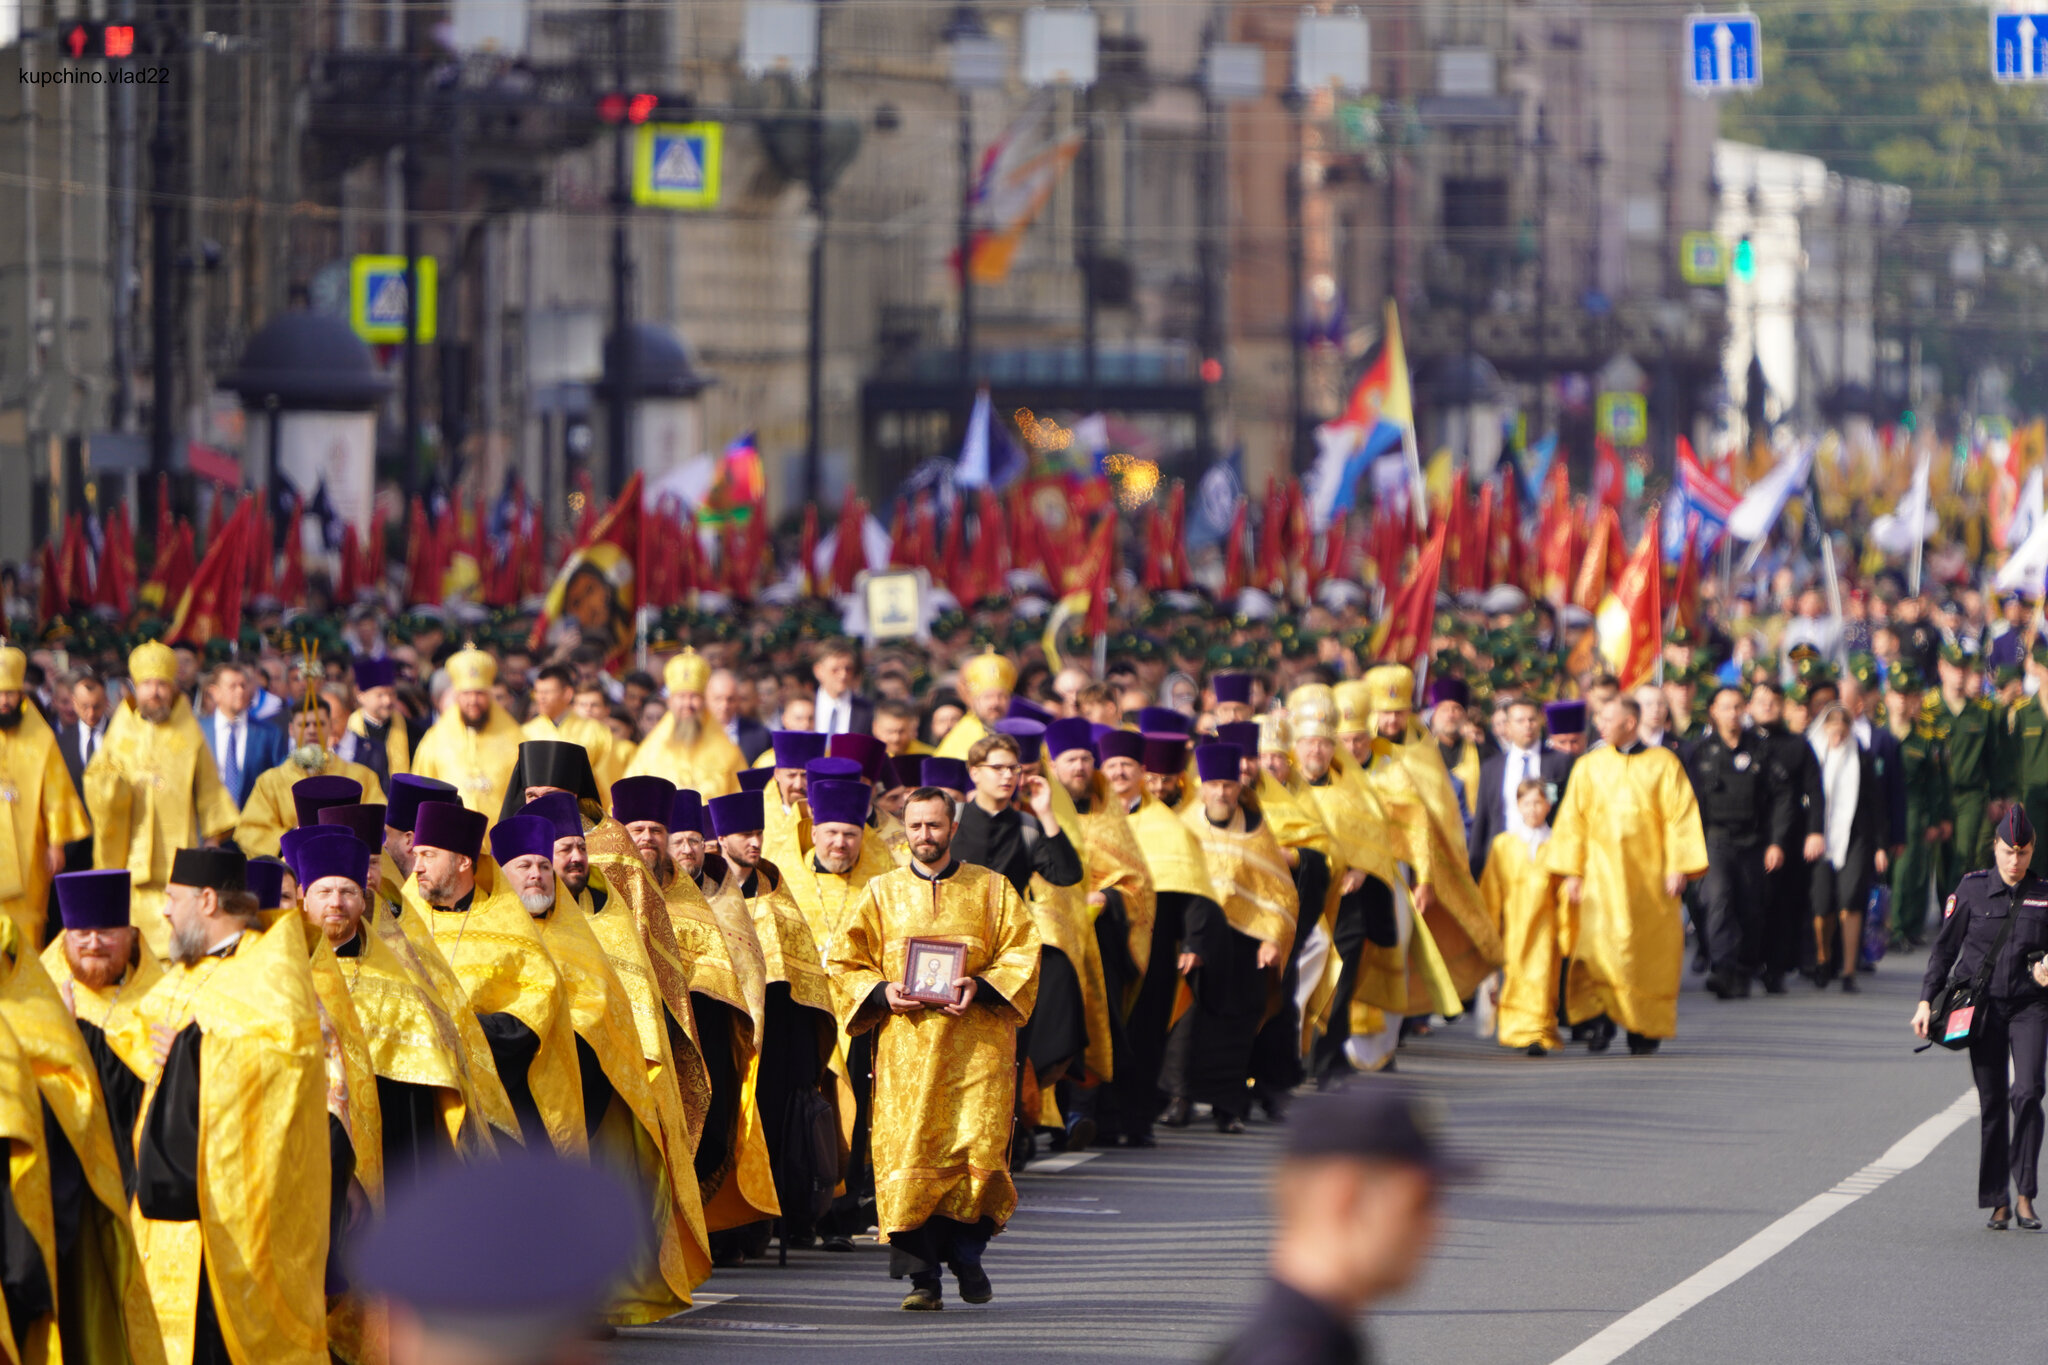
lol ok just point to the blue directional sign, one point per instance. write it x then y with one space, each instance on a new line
1724 52
677 165
2019 48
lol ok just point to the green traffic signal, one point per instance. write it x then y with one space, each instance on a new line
1745 260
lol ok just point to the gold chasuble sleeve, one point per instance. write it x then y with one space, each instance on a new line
645 1136
961 738
28 1183
104 1312
1110 852
263 1156
411 942
1250 875
1627 822
944 1088
39 811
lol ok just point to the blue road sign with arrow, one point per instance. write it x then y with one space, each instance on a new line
1724 52
2019 48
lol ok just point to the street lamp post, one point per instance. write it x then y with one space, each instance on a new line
625 348
1332 53
979 62
787 38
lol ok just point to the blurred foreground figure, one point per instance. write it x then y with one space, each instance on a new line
1355 1200
502 1263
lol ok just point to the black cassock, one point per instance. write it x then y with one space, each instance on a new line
167 1179
123 1089
1180 923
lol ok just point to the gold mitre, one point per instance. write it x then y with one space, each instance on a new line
988 673
1312 712
1391 687
1275 735
153 661
13 669
687 672
471 670
1354 707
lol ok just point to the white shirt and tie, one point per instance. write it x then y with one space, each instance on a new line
1517 766
834 715
230 749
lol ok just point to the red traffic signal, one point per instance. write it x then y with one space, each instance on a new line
86 40
616 107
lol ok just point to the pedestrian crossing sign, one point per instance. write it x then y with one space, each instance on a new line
376 298
676 165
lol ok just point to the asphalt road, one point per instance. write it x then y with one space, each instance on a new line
1607 1182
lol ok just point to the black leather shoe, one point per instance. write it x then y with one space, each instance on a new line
1177 1115
1229 1123
1774 983
923 1298
1849 986
2000 1220
2026 1220
972 1282
1080 1133
1603 1036
836 1243
1639 1046
1536 1050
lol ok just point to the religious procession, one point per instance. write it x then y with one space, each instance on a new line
814 940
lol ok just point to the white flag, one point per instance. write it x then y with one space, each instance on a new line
1765 501
1899 530
2026 568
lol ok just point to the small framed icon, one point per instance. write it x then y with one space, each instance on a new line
930 967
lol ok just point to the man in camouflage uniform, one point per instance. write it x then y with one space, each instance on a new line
1930 815
1972 730
2027 736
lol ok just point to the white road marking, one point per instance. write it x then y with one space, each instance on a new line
701 1299
1625 1334
1063 1161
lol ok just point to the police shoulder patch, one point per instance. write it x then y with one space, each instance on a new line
1949 908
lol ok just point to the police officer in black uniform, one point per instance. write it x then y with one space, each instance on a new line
1747 811
1356 1200
1999 917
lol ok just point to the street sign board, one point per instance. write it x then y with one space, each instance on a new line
1622 417
1702 259
376 298
1723 52
677 165
2019 48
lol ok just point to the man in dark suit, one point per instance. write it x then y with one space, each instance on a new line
841 710
1522 755
1860 694
243 748
79 741
724 695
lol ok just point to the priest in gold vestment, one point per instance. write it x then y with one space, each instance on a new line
102 972
683 747
152 788
1209 1051
987 681
506 973
29 1278
42 811
631 1128
474 743
1626 839
945 1076
554 690
104 1312
233 1175
271 810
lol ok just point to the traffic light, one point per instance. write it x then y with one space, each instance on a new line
89 40
1745 260
619 107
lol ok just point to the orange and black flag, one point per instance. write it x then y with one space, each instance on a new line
1630 621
